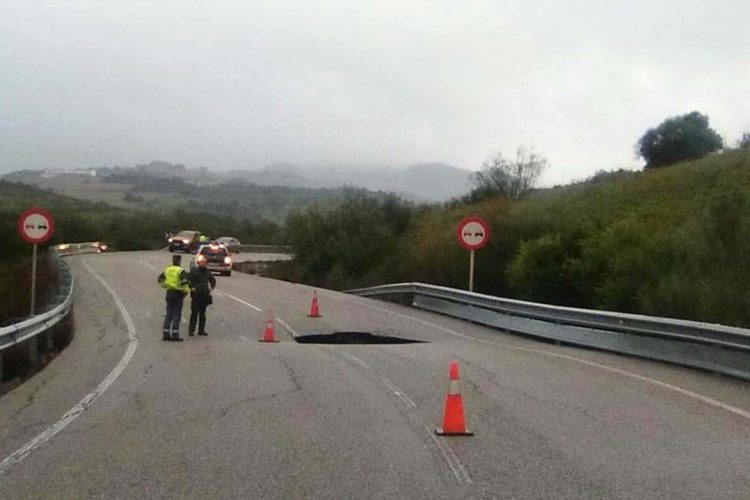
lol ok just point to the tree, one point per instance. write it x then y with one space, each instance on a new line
677 139
744 142
511 179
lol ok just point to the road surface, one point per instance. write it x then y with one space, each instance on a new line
120 413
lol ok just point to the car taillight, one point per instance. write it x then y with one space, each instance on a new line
227 260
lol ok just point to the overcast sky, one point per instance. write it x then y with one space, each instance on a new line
242 84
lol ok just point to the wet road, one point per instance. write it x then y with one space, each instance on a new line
122 414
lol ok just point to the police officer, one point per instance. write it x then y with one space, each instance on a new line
202 283
174 279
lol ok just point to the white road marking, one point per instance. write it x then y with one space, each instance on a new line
358 361
248 304
288 328
148 265
685 392
450 458
86 402
398 392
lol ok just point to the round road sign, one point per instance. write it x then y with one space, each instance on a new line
473 232
36 225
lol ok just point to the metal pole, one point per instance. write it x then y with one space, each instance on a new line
33 280
471 271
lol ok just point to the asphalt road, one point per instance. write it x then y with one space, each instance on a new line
120 413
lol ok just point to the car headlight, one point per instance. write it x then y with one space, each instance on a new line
227 260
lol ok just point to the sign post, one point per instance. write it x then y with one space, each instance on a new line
35 226
473 233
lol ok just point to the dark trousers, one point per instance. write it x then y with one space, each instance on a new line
198 306
174 313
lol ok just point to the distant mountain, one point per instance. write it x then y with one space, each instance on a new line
421 182
425 182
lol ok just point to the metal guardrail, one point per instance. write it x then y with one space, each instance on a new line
266 249
79 248
718 348
24 330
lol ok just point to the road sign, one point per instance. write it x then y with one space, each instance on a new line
36 225
473 232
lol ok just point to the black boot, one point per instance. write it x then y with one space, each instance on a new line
165 336
176 337
202 333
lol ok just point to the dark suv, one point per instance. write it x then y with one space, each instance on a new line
185 241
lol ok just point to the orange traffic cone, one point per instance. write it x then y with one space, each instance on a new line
268 335
453 414
314 311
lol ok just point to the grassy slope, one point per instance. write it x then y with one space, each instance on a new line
669 241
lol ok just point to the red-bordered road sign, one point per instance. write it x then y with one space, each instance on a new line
473 232
36 225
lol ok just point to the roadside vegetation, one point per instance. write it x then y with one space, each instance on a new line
666 241
672 240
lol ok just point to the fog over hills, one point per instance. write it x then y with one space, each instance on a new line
424 181
429 182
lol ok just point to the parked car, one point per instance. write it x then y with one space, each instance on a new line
185 241
231 244
216 256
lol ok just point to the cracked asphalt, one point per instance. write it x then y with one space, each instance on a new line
225 416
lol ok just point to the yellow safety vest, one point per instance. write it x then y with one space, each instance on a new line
173 280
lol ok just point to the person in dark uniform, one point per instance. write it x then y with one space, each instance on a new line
202 282
174 279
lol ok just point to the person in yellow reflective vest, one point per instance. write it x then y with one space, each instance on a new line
174 279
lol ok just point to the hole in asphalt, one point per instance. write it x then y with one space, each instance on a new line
353 338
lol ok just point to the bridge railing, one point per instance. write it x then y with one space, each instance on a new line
713 347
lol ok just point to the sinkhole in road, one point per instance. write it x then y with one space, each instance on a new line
353 338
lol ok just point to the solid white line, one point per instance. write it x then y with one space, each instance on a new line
248 304
84 404
450 458
398 392
288 328
685 392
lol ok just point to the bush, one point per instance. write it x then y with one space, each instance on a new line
709 275
677 139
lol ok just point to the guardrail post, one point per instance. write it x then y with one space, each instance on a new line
49 344
32 354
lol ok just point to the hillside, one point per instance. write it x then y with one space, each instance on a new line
263 194
270 194
154 191
672 242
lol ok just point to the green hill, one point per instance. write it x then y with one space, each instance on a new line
673 241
